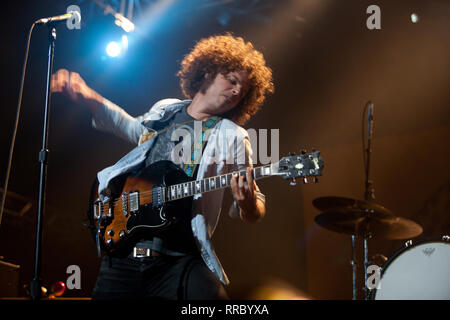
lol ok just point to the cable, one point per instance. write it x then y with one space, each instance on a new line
13 139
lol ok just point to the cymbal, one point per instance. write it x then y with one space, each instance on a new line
355 221
375 210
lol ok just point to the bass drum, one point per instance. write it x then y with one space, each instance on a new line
419 271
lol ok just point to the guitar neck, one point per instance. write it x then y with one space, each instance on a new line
188 189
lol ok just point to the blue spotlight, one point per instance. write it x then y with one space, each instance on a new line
113 49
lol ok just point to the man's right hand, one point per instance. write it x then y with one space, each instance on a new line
72 85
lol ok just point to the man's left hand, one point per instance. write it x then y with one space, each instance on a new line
244 193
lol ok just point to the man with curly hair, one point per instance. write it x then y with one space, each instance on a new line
225 81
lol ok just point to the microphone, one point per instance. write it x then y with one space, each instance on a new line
62 17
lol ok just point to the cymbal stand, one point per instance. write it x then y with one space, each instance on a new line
353 264
366 265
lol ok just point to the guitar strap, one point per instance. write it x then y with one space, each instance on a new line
190 168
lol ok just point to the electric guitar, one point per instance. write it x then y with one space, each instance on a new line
150 201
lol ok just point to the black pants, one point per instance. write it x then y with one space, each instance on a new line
161 277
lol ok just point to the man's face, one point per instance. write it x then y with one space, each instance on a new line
226 91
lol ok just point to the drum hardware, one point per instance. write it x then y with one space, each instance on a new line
365 217
354 221
418 271
369 193
378 259
353 264
350 216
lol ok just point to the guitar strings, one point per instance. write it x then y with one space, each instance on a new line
145 194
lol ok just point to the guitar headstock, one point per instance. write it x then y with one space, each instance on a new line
302 165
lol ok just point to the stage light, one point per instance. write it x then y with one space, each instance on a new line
113 49
124 23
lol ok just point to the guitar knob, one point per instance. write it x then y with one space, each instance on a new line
111 232
110 242
121 233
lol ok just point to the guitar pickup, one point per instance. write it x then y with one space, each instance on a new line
157 199
134 201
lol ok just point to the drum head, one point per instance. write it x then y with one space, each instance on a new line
417 272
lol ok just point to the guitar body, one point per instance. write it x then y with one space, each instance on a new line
137 209
158 199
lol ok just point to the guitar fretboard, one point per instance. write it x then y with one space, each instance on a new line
188 189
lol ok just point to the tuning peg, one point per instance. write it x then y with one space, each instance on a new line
305 180
293 182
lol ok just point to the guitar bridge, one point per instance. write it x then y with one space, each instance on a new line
98 208
102 210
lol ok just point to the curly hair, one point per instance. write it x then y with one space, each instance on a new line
223 54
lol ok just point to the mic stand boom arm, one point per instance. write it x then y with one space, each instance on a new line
369 193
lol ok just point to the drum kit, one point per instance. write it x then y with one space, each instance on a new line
417 271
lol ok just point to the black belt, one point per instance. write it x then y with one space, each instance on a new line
152 248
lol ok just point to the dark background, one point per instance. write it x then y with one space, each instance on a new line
326 66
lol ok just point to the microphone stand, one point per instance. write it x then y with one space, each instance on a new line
368 194
36 283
